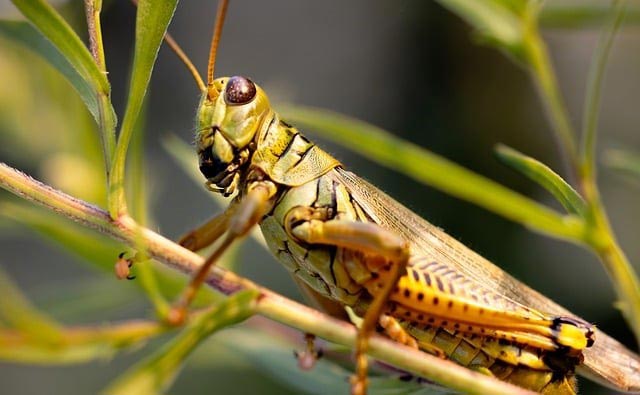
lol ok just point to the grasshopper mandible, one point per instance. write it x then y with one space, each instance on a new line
352 245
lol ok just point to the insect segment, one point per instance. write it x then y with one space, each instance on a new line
347 242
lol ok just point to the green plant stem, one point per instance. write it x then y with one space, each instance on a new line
545 78
625 280
600 236
270 304
92 10
106 116
594 89
574 15
618 267
152 19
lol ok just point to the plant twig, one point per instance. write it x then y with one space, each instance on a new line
270 304
625 280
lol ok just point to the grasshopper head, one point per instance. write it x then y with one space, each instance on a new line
229 117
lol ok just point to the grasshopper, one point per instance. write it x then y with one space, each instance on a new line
350 244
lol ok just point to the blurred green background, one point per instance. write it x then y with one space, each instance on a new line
410 67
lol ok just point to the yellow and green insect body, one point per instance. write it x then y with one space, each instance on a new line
518 357
517 364
346 240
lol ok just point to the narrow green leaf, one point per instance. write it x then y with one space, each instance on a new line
155 374
58 31
17 311
30 38
431 169
545 177
77 344
152 19
625 161
500 23
35 354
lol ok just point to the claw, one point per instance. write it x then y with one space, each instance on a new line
123 267
177 316
308 357
306 360
358 385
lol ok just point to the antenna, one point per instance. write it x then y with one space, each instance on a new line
217 32
182 56
185 59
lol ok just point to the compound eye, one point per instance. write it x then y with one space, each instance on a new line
239 90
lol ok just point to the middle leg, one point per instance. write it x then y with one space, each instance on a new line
312 226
